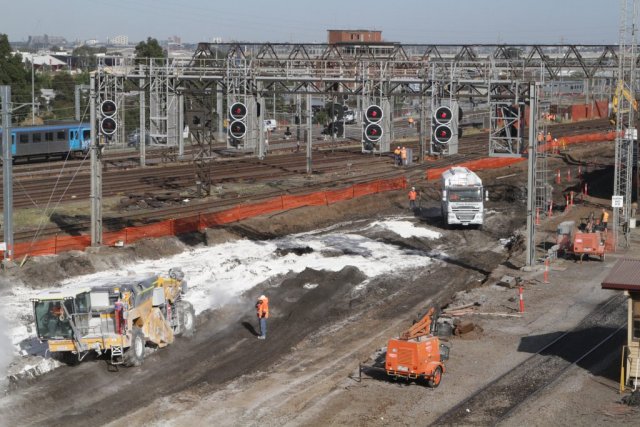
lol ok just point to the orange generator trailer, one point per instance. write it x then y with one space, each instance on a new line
417 354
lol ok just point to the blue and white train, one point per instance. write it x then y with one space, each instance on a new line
46 141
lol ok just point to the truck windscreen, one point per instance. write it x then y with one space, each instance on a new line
464 194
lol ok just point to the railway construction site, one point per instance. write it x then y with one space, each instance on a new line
342 279
470 276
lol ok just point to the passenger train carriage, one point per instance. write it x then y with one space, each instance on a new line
49 140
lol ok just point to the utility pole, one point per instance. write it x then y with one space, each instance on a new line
531 176
142 133
7 172
309 129
33 94
79 88
96 171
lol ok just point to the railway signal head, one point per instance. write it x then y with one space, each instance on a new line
442 134
108 123
443 115
108 108
373 132
373 114
108 126
237 129
238 111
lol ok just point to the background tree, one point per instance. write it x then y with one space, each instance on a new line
86 56
149 49
14 74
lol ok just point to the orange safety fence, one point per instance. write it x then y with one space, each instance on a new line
474 165
562 142
334 196
313 199
201 221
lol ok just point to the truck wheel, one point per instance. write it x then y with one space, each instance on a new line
434 381
134 355
187 317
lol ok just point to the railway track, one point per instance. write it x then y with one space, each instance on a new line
332 161
581 346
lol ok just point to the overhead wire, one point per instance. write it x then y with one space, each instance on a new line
46 213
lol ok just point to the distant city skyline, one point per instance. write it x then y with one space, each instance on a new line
405 21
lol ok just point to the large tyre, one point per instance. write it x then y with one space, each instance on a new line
434 381
187 318
134 355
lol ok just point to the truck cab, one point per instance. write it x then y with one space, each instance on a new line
462 197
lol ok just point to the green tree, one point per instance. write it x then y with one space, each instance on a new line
14 74
149 49
86 56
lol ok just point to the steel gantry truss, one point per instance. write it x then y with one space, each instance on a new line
493 73
626 133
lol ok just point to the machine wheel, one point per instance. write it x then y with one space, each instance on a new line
187 318
134 355
434 381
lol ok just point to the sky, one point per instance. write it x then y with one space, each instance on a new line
405 21
218 274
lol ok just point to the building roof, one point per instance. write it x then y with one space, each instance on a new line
624 276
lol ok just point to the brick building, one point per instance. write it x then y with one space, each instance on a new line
353 36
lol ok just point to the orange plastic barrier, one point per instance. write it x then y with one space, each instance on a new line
474 165
313 199
334 196
201 221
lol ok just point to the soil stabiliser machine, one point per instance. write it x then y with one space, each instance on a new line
416 355
119 316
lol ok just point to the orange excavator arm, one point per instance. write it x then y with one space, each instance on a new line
420 328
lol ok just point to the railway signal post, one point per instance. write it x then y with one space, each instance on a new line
7 172
96 170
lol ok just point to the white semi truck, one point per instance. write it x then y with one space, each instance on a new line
462 197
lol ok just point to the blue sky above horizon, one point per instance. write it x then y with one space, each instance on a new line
406 21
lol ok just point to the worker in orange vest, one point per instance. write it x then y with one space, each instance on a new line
403 155
413 195
262 311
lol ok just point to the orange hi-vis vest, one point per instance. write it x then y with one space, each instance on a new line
262 307
605 216
412 195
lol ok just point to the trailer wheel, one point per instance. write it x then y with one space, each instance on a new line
434 381
187 317
134 355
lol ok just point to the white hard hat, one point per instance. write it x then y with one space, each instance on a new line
413 188
262 297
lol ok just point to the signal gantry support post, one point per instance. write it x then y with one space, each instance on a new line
142 134
7 172
96 171
531 175
309 131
